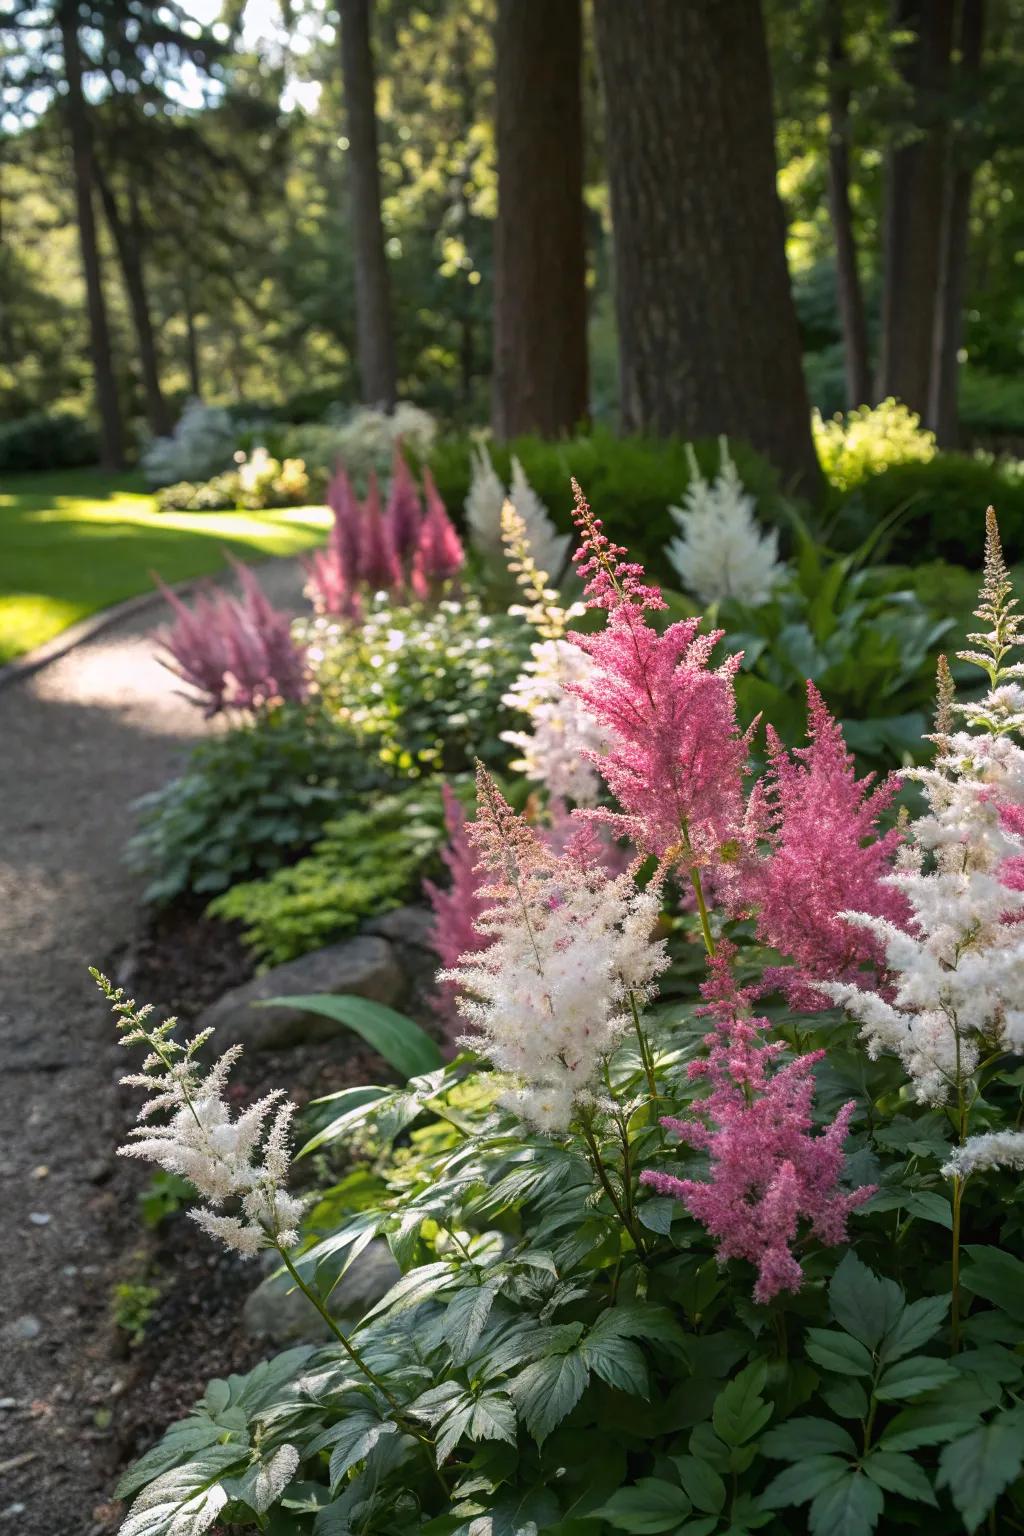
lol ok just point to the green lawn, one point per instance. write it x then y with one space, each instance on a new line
75 541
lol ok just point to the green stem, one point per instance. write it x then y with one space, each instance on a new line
698 892
607 1185
645 1048
958 1189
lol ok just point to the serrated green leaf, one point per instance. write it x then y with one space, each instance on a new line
414 1288
897 1473
262 1483
850 1507
179 1444
997 1276
954 1411
862 1303
909 1378
617 1361
846 1398
797 1438
186 1500
547 1391
657 1214
651 1505
976 1468
701 1484
918 1323
804 1481
354 1446
493 1418
838 1352
466 1317
740 1410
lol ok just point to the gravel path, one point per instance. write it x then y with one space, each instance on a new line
79 741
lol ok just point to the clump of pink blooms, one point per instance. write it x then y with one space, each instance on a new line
768 1171
234 652
457 907
402 549
825 854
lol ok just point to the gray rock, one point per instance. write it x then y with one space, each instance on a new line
24 1328
405 927
274 1312
366 966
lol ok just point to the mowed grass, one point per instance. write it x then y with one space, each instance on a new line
75 541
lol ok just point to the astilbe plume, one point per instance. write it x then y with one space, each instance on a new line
378 562
675 757
568 946
438 555
403 514
768 1171
236 653
957 969
333 572
458 907
825 855
239 1159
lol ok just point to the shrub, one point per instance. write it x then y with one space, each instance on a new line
365 863
867 441
363 440
991 402
939 498
249 801
201 445
46 440
217 495
426 683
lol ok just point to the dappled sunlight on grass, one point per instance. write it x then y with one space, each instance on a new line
74 542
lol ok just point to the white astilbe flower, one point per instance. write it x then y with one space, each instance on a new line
550 548
242 1159
722 551
563 731
483 505
957 969
569 946
995 1149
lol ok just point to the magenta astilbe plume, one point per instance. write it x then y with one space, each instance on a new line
676 758
334 571
825 857
768 1171
404 514
438 555
378 562
458 907
235 653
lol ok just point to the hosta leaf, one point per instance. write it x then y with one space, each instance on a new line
899 1474
740 1410
909 1378
651 1505
804 1481
797 1438
849 1507
919 1322
401 1042
976 1468
548 1390
838 1352
862 1303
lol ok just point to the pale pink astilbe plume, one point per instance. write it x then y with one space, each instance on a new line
675 758
438 555
457 908
768 1171
236 653
378 563
584 839
826 856
1011 871
334 571
403 515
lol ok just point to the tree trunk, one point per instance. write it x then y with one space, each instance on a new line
942 415
708 335
540 306
374 338
111 447
915 182
128 243
851 295
195 380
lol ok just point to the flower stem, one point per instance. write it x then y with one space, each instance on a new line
645 1048
698 892
607 1185
958 1189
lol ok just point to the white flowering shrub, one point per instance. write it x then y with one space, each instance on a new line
868 440
722 552
201 446
684 1246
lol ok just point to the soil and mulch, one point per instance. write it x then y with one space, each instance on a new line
90 1375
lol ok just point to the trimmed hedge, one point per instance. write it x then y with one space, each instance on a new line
46 440
945 503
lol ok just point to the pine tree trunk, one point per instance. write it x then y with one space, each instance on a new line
708 335
111 445
851 295
128 244
915 183
949 302
374 338
540 307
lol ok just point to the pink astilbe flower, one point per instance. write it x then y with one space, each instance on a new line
675 758
378 563
334 572
236 653
438 555
404 514
768 1172
457 908
825 857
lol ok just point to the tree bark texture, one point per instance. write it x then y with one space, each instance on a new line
374 338
708 333
540 307
914 196
127 237
111 444
947 335
850 291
